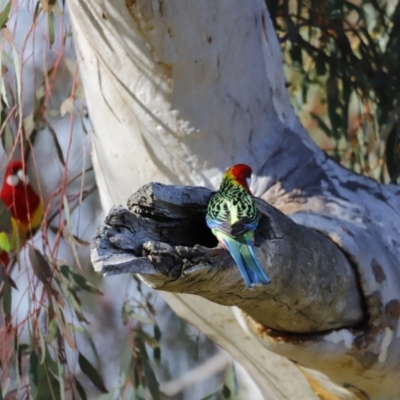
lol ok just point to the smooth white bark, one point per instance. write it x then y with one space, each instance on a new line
178 91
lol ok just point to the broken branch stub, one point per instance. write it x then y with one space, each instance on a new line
163 237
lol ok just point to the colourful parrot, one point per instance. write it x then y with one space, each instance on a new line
232 217
25 206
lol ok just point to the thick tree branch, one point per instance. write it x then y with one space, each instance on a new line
163 237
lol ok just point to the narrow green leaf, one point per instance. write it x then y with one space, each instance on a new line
145 337
392 153
157 332
139 393
30 142
40 106
332 93
48 5
295 54
4 101
85 131
110 396
57 145
50 28
28 125
141 318
7 299
37 11
125 359
79 280
4 15
127 310
125 315
33 372
73 240
17 67
48 386
89 338
57 9
157 356
53 329
7 140
5 56
91 372
322 124
40 266
65 270
74 302
210 396
346 93
43 347
320 65
80 389
61 379
77 329
3 90
61 348
151 380
64 328
20 352
304 91
80 242
53 229
69 237
226 392
67 212
84 284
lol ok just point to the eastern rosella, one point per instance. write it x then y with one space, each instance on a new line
232 217
25 206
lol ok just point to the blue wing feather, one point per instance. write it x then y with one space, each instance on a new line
212 223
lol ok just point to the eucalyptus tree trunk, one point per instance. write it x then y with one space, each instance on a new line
179 91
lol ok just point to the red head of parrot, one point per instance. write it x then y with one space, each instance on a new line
239 173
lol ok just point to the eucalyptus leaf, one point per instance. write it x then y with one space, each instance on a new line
5 14
91 372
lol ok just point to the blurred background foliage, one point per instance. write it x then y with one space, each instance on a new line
66 333
342 67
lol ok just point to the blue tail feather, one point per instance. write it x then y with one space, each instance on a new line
243 253
254 265
233 248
